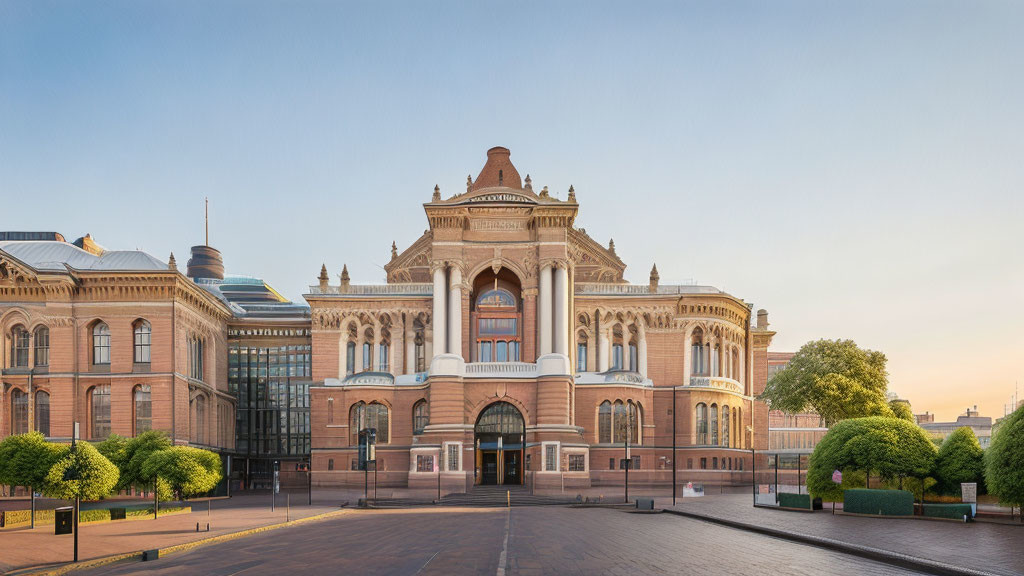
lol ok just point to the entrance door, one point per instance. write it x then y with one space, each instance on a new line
489 474
499 442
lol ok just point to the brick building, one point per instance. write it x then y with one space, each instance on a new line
506 348
791 433
118 341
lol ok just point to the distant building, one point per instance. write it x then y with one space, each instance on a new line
791 433
981 425
924 418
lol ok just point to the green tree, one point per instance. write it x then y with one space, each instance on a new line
26 459
188 471
901 409
1004 461
889 447
96 476
835 378
960 459
130 454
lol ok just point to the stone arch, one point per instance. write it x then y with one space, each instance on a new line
480 406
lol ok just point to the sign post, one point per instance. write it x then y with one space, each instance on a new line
969 490
276 487
368 454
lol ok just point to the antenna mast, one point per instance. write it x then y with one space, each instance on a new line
207 220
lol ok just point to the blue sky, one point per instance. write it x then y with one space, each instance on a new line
855 168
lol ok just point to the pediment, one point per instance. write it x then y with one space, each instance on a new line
413 264
13 271
593 262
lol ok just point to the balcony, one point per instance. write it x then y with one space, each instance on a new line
412 289
716 383
612 377
501 370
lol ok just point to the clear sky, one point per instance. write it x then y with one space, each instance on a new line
855 168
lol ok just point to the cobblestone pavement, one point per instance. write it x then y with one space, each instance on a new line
540 540
980 546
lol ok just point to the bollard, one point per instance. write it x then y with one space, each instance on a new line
287 507
508 498
197 526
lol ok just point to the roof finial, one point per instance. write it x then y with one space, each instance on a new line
544 192
437 194
611 245
469 182
655 277
529 183
394 250
572 193
324 278
344 276
171 263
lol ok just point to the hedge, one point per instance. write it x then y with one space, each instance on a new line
955 511
878 502
17 517
802 501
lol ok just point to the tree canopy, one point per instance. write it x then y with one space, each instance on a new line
97 476
25 460
188 471
835 378
130 454
1004 461
889 447
960 460
901 409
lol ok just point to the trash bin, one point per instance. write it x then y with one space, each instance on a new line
3 519
62 519
816 504
118 513
645 503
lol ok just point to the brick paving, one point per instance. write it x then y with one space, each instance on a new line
22 547
979 546
541 540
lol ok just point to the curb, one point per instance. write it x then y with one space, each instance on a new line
869 553
105 560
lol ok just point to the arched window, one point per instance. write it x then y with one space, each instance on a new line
620 421
200 427
372 415
495 317
367 356
714 424
100 344
604 422
99 412
634 422
143 334
19 412
702 424
725 426
42 346
383 364
143 408
43 413
195 358
421 365
581 352
697 364
420 417
496 298
20 340
350 358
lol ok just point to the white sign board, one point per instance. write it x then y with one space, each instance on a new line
691 490
969 491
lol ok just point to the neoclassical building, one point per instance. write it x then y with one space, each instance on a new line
507 348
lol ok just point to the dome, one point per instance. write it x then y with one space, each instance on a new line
498 171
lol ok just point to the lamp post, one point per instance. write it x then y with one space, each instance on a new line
73 473
675 419
753 462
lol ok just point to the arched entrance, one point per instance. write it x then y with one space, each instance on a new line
499 436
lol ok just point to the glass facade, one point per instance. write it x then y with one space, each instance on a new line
271 384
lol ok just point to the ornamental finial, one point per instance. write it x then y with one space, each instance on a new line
611 245
544 192
323 278
394 250
437 194
572 194
171 263
529 183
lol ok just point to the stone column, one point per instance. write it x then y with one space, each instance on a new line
627 360
410 346
375 350
359 355
561 328
455 312
440 315
544 311
602 350
641 354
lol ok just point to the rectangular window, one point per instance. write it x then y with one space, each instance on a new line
350 358
703 463
485 351
101 348
611 463
636 463
424 462
714 463
42 347
551 457
577 463
617 357
502 351
367 357
513 351
142 346
453 457
581 357
689 463
498 327
633 362
383 367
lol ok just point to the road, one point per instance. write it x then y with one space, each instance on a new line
532 541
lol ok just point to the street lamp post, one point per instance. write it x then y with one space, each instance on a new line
675 418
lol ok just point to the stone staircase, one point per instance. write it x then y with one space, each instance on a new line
482 497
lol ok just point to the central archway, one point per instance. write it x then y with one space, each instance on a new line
499 439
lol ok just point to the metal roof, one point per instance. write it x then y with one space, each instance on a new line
53 256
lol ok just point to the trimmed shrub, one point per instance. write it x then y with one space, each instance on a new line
954 511
879 502
802 501
43 517
1004 461
960 460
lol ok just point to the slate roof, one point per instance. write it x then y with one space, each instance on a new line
52 256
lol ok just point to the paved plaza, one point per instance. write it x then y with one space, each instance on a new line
532 540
